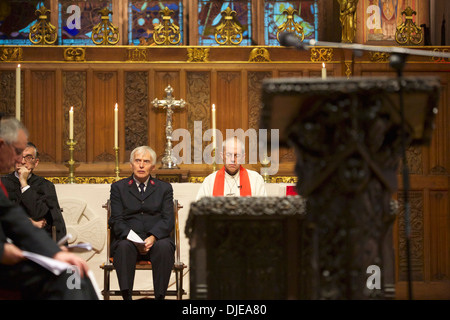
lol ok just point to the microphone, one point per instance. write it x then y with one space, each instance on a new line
289 39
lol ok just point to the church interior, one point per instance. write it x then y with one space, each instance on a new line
92 80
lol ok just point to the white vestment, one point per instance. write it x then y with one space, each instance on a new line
232 184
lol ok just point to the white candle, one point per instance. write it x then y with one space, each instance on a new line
71 123
116 127
324 71
18 92
213 116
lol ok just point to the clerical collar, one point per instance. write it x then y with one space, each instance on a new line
17 175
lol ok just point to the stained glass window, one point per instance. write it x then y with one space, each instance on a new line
306 16
78 18
143 16
210 17
16 19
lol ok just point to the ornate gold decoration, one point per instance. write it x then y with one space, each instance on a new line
290 25
408 32
105 32
74 54
259 55
321 54
71 143
439 59
228 31
10 54
198 54
166 32
347 16
193 179
137 54
376 56
43 32
348 69
83 180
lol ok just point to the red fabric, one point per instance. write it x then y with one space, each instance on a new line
291 191
219 183
4 189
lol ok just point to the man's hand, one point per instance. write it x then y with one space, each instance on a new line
11 254
149 241
73 259
23 173
39 224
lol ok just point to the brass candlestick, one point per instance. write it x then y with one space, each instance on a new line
265 164
214 159
116 170
71 143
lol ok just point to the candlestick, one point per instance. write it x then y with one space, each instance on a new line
116 169
213 117
116 127
71 123
71 143
18 92
324 71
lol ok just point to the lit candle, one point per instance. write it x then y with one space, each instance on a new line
324 71
71 123
213 116
116 127
18 92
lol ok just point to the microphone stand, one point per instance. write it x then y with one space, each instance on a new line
397 61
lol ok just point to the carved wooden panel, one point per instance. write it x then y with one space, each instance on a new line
199 96
136 109
228 101
40 109
104 89
416 222
8 93
74 94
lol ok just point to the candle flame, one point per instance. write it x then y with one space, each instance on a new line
214 106
18 66
71 109
115 108
323 65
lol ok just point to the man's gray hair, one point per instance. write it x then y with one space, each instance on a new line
143 149
9 129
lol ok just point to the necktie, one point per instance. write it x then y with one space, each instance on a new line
141 187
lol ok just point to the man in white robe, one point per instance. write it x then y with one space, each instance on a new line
233 180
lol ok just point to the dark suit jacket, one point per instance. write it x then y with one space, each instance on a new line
39 201
16 225
151 214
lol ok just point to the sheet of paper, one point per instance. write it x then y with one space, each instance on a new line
132 236
53 265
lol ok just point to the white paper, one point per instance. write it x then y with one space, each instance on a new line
53 265
79 247
132 236
94 284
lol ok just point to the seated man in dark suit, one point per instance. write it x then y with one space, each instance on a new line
144 205
35 194
17 234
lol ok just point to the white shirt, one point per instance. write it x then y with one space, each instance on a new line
231 185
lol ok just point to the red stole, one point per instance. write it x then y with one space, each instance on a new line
219 183
4 189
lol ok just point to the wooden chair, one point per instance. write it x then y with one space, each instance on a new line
178 266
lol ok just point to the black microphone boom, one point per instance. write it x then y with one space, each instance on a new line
289 39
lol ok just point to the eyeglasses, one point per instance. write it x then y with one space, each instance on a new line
28 158
144 161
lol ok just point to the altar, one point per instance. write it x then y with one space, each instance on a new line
85 219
